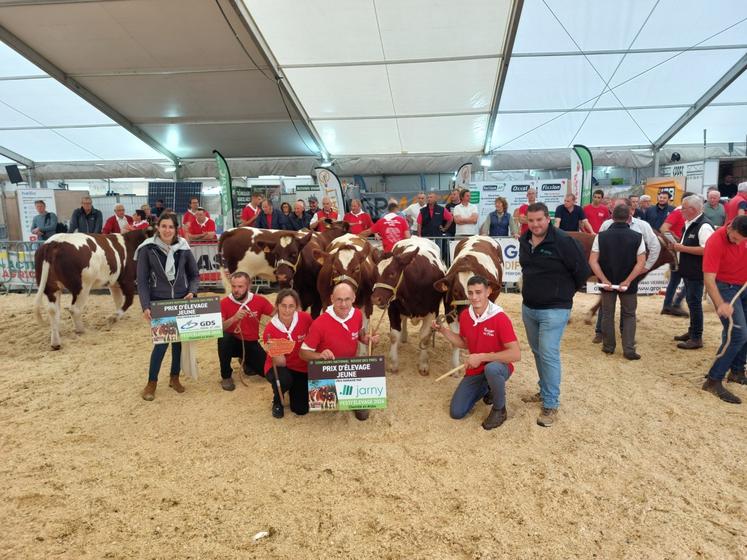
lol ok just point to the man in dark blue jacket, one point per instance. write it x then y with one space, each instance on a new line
553 267
655 215
86 219
299 218
270 218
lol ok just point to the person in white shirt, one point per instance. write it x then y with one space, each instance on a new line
653 248
413 211
465 215
698 229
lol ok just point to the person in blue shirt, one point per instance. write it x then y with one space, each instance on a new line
44 224
499 222
656 214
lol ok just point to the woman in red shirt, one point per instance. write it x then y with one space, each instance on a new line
288 323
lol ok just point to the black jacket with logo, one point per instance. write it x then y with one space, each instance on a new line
552 271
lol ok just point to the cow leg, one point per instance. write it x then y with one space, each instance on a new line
404 331
455 355
425 332
53 308
395 324
593 311
118 297
76 309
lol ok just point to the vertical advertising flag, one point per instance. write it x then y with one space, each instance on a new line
226 194
464 176
329 185
581 169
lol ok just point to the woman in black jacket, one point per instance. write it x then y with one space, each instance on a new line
166 269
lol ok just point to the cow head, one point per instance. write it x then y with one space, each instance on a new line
344 265
454 288
287 253
135 237
391 272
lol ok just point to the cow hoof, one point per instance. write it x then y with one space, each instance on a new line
80 331
393 369
587 320
112 319
423 372
56 347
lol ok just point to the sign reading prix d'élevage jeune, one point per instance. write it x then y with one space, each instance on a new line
347 384
183 320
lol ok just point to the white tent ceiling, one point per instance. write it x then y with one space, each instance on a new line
122 80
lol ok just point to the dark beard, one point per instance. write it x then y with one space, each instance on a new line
242 297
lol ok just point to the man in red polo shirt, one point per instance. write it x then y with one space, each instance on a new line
250 212
337 332
487 333
357 218
201 228
737 206
521 211
326 213
596 212
725 274
391 227
241 312
189 215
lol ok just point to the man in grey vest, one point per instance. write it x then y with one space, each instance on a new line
618 258
691 248
86 219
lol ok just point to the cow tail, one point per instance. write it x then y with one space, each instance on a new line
40 258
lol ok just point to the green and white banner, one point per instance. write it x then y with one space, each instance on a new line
347 384
182 320
582 165
226 196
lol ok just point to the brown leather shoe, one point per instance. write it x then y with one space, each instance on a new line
175 384
633 356
149 393
495 418
361 414
683 337
547 417
597 338
227 384
676 311
716 387
736 377
691 344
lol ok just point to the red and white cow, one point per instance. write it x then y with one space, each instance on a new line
81 262
405 288
284 256
477 255
249 250
349 258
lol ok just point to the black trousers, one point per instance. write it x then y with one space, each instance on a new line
295 383
230 346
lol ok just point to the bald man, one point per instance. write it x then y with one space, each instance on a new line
326 213
337 332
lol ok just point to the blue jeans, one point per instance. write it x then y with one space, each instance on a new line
156 357
671 297
736 352
694 298
544 328
474 387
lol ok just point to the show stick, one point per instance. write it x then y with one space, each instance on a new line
374 331
448 373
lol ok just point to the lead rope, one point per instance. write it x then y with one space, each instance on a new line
731 324
238 331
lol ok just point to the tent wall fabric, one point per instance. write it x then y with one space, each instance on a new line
387 86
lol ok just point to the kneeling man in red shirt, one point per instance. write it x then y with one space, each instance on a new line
487 333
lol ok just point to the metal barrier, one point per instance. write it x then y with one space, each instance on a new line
17 269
